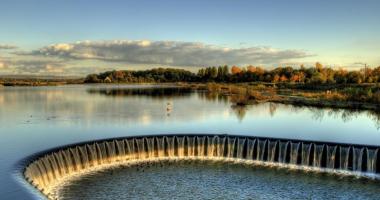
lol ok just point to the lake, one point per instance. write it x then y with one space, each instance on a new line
34 119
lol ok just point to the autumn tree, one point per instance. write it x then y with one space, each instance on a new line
235 70
340 76
276 78
283 78
118 75
298 77
318 66
354 77
310 75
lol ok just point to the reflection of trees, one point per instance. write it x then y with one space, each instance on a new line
345 115
240 111
296 108
159 93
239 99
222 99
213 97
318 114
375 117
272 109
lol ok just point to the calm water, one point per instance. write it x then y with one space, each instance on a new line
39 118
204 180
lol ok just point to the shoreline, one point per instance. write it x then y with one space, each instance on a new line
329 104
241 94
38 83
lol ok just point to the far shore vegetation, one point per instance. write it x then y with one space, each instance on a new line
313 86
38 81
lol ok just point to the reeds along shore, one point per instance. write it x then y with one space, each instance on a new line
349 97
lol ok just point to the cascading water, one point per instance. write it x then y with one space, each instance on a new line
50 168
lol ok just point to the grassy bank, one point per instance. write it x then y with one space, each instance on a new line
245 94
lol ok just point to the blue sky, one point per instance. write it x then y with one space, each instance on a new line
337 33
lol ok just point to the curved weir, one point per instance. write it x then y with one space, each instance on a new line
48 170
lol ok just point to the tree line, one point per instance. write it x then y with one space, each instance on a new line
142 76
306 75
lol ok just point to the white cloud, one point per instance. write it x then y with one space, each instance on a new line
39 66
84 57
32 65
170 53
7 46
3 65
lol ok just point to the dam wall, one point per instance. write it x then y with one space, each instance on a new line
44 170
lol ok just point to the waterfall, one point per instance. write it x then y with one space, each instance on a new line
371 161
331 156
53 166
283 148
273 151
294 152
355 163
251 149
318 155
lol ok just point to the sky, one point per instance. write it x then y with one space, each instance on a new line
77 37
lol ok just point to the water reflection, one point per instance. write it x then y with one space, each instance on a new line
149 92
213 97
272 109
240 111
153 92
169 108
33 119
346 115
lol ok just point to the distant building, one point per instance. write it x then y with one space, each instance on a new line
107 80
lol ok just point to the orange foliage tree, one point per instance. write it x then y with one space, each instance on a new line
235 70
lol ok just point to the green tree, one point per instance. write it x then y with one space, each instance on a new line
214 73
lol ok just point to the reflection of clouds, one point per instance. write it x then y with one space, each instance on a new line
55 96
2 99
145 119
74 105
226 114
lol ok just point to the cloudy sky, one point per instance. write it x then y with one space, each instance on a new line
76 37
